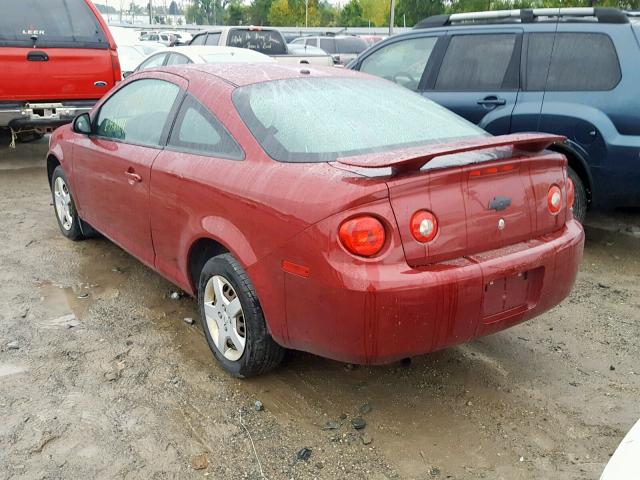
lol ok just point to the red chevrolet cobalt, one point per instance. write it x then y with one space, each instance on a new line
319 209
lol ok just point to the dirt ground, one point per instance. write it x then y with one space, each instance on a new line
101 377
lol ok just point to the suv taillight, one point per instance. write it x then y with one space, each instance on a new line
115 65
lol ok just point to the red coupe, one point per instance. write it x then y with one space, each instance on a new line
320 210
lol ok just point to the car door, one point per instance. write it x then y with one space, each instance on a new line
402 61
479 76
113 165
199 146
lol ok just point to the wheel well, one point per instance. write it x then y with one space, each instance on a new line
577 164
199 253
52 163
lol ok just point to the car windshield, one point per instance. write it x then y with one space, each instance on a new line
61 23
322 119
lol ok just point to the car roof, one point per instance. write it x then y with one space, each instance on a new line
201 50
240 74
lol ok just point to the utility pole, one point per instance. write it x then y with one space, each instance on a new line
306 13
150 12
391 16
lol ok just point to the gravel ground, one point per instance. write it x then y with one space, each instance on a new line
101 377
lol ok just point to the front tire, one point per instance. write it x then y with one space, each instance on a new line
580 201
232 319
65 207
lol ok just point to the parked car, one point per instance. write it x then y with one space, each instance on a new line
130 57
264 40
497 69
165 38
147 48
298 49
624 464
181 38
372 39
206 54
58 59
343 48
319 209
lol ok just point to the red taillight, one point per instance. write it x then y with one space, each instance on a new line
115 66
554 199
571 193
424 226
362 235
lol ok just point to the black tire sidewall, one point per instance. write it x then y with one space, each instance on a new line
580 196
253 360
75 233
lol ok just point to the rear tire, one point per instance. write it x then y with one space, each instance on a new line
236 332
580 202
65 207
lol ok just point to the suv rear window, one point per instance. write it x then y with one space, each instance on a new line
56 23
268 42
351 45
581 62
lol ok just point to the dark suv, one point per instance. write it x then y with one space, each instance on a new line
573 71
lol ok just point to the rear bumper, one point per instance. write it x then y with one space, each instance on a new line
41 114
379 314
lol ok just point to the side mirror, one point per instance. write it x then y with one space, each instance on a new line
82 124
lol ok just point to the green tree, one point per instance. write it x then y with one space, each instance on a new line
351 15
327 14
376 12
259 12
412 11
237 14
207 12
281 13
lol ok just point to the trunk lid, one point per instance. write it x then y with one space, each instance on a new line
486 194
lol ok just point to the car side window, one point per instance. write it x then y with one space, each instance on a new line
197 131
213 39
328 45
177 59
401 62
580 62
311 41
153 61
138 112
199 40
477 63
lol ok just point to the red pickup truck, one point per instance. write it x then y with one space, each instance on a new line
57 58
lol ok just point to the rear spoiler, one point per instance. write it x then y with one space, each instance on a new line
414 158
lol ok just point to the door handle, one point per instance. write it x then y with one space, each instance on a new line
133 176
37 56
492 101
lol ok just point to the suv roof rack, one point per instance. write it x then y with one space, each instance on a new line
525 15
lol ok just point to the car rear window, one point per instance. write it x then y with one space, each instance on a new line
268 42
322 119
55 23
